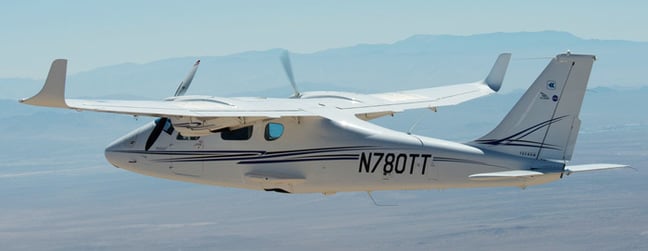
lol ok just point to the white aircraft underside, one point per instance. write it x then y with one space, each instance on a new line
322 142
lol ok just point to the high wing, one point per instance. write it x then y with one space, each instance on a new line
375 105
202 114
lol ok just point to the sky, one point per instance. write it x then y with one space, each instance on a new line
68 197
98 33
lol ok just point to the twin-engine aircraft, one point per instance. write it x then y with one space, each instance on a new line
322 142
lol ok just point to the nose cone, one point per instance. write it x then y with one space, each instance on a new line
112 153
119 152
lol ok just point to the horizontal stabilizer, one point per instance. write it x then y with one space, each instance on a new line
592 167
504 175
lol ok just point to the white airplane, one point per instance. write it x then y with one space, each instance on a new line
321 142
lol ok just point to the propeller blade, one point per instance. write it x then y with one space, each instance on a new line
184 85
157 130
285 61
161 122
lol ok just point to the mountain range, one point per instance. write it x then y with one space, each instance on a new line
415 62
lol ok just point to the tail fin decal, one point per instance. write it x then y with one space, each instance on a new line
517 138
544 123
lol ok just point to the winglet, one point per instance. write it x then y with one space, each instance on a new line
53 92
496 75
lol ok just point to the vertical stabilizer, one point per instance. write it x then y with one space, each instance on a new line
544 123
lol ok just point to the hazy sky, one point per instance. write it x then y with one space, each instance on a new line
98 33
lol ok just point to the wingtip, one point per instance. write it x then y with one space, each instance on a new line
496 75
53 92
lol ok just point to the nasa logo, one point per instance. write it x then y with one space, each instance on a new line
554 98
551 85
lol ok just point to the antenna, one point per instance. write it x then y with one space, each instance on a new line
411 129
376 203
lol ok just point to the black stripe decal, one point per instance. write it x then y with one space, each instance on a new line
297 160
516 139
315 154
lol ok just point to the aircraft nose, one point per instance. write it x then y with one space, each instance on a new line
120 153
117 151
112 154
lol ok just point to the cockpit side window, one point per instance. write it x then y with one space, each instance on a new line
182 137
273 131
168 127
244 133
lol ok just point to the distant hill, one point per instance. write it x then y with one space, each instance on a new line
418 61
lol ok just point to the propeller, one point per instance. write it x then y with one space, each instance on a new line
157 130
160 123
184 85
285 61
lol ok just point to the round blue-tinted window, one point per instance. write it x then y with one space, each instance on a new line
273 131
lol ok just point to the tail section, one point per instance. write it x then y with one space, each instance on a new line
544 123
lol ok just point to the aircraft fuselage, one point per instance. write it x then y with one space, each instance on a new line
311 154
